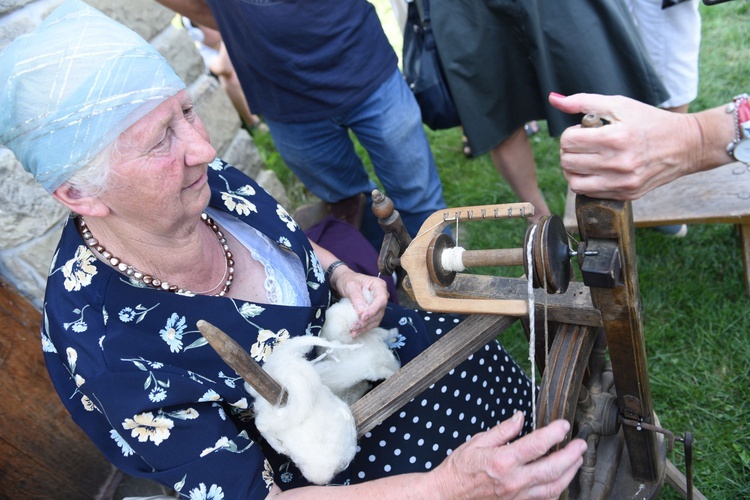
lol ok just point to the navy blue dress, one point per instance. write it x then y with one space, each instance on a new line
135 373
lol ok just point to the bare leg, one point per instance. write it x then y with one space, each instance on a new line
514 160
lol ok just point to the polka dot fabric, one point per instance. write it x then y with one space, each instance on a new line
483 391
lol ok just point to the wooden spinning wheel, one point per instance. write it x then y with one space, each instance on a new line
595 373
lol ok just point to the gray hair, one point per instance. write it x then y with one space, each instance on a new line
93 179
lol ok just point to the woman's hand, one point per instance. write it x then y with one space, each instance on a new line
352 285
640 149
489 466
486 466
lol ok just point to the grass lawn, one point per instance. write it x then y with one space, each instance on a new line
696 312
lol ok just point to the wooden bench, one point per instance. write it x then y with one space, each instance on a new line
721 195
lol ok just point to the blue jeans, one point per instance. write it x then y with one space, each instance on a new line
388 125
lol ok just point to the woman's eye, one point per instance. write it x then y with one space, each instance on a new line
161 142
188 112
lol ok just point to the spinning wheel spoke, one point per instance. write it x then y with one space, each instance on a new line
577 385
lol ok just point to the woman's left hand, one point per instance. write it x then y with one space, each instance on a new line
352 285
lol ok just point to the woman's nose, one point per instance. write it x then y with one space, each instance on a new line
198 149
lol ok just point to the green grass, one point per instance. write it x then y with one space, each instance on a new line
695 309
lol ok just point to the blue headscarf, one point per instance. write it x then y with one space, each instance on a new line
73 86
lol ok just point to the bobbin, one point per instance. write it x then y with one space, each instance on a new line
429 268
550 256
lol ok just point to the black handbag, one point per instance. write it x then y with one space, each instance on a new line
424 73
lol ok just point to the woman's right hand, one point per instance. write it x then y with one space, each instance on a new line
490 466
642 148
486 466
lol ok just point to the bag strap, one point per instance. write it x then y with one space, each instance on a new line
413 13
426 12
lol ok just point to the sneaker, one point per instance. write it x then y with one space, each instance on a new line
676 230
531 128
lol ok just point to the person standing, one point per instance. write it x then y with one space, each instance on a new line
502 58
317 71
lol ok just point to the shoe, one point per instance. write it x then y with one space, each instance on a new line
531 128
258 127
675 230
465 148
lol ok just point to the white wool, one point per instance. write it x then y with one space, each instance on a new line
314 428
349 372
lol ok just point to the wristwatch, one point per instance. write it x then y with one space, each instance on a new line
739 148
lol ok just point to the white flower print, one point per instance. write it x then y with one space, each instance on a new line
267 474
226 444
78 325
88 405
72 356
229 381
158 387
217 164
284 242
146 427
210 395
221 443
47 345
241 404
405 320
220 409
53 263
137 313
173 331
127 314
213 493
157 394
237 204
316 267
286 218
124 446
250 310
186 414
246 190
267 340
79 270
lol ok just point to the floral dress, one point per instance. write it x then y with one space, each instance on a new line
137 376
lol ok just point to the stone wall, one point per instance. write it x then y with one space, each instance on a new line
31 218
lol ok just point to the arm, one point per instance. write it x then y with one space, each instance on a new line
642 148
195 10
484 467
350 284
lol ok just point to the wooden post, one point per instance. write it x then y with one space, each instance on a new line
43 453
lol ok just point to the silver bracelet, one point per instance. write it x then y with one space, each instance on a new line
332 268
739 148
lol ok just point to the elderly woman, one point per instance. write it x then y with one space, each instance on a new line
163 234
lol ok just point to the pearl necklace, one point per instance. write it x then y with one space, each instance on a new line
133 273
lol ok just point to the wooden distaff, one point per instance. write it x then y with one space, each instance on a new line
387 397
241 362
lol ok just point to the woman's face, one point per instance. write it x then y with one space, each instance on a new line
159 167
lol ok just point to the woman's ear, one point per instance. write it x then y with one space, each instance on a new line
81 204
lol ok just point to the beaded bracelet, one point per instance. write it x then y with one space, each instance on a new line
333 267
